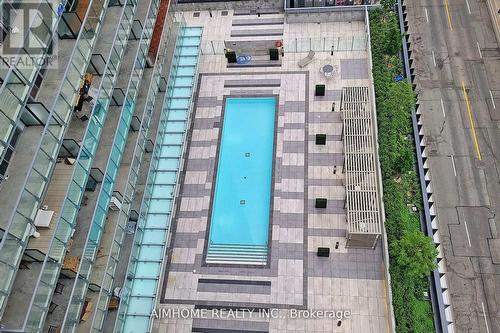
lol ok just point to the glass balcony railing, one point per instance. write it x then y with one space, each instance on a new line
65 224
21 221
77 298
140 291
19 74
123 217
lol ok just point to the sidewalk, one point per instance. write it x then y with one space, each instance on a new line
493 9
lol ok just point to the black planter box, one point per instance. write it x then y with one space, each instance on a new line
320 203
321 139
323 251
273 54
320 90
231 57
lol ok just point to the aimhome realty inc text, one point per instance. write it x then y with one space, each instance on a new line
222 313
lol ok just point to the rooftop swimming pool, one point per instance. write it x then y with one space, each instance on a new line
239 224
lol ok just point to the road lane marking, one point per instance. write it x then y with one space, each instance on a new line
426 14
485 319
448 14
492 100
453 165
434 59
471 122
479 50
442 108
467 232
468 7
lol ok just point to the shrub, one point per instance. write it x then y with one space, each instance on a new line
415 253
411 253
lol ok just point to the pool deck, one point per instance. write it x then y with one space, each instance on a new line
295 278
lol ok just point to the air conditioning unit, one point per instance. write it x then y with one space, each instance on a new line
115 203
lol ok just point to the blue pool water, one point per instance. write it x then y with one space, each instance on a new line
241 204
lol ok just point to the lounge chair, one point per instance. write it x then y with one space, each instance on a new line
305 61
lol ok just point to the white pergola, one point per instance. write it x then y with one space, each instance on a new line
362 197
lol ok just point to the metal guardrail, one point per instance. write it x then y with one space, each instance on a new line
324 9
436 291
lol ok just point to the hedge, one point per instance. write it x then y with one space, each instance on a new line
411 253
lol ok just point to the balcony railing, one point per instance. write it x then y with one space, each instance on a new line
77 298
21 221
154 222
18 80
124 214
65 224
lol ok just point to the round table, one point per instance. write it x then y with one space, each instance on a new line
328 70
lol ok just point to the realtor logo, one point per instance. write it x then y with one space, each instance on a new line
27 34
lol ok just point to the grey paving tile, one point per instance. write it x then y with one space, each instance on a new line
186 240
234 288
325 117
325 182
206 143
206 123
294 125
290 220
256 32
293 106
210 101
292 171
326 232
259 21
192 214
290 251
194 190
199 164
294 146
252 83
227 326
326 159
353 69
289 195
177 267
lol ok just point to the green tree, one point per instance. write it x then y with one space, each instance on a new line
415 253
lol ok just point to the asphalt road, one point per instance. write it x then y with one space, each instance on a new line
454 47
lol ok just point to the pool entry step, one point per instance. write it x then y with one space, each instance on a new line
237 254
